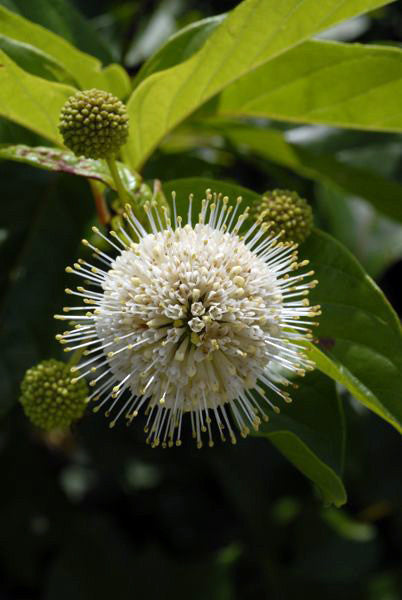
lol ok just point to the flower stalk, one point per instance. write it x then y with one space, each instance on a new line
114 171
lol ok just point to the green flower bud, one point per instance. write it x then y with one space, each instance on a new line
94 124
287 212
49 398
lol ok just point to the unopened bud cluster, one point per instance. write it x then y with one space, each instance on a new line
94 124
287 212
49 398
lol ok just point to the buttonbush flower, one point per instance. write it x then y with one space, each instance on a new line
197 321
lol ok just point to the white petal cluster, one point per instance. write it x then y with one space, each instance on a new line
192 318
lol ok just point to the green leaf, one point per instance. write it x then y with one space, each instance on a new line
64 161
384 194
114 79
359 336
34 61
311 434
179 47
255 32
31 101
83 68
346 85
62 18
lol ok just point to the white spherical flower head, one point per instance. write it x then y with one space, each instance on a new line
192 318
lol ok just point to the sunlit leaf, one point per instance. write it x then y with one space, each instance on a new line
255 32
347 85
82 67
31 101
34 61
61 17
179 47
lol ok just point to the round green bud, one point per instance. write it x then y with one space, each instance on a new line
50 398
94 124
287 212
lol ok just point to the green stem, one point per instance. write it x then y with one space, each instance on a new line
121 190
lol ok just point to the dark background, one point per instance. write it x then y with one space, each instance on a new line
98 514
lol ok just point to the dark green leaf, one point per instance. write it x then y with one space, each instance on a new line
311 434
359 337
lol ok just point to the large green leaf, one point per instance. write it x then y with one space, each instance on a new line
82 67
34 61
64 161
347 85
384 194
179 47
359 337
62 18
255 32
310 432
31 101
